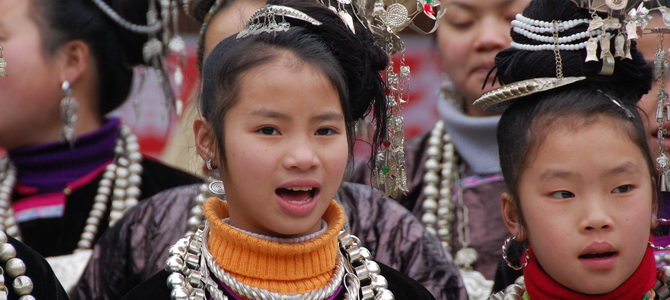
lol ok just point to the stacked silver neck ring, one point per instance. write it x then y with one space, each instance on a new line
189 263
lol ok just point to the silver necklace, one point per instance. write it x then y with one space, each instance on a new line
189 263
438 209
518 288
120 181
14 268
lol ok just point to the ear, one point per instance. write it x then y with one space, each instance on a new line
512 217
205 140
76 58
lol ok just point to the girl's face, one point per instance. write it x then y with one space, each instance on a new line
29 96
286 148
586 199
469 36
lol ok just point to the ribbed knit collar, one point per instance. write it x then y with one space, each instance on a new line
278 267
474 137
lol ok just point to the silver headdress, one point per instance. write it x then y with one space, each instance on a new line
155 49
624 20
265 19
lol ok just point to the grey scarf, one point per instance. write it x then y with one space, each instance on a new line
473 137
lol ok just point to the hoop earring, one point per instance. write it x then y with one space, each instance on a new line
209 166
68 113
3 64
505 248
661 248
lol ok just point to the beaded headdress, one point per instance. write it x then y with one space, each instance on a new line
620 20
164 40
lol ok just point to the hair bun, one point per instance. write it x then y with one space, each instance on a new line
361 58
631 78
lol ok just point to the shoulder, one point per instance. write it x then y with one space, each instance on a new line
402 286
153 288
45 283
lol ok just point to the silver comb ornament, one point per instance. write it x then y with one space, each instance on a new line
502 97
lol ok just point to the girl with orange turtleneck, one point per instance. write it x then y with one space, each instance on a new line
279 101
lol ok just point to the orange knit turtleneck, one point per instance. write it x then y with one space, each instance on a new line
277 267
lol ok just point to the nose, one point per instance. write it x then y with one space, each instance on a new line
596 216
301 155
493 34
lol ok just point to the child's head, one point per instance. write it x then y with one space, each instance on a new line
576 161
581 186
278 113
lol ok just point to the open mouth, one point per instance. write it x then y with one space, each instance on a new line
597 255
297 195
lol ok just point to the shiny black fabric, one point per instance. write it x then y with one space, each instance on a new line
487 230
45 283
59 236
136 248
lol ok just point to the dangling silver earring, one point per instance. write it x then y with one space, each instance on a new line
216 187
505 248
209 166
3 64
68 113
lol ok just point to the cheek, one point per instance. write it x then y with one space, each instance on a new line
453 50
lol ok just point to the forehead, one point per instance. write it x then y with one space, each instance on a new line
228 20
475 6
569 141
13 10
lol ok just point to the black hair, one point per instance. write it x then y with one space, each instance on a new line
351 62
525 124
115 50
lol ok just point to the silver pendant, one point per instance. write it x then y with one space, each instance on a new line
591 49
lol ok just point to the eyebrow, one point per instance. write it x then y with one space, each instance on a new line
556 174
624 168
467 6
327 116
627 167
266 113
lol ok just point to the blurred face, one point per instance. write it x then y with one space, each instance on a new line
470 35
29 95
229 20
647 44
588 216
286 148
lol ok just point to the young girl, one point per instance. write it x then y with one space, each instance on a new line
574 156
391 233
279 101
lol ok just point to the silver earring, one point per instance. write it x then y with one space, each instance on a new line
3 64
505 248
216 187
68 113
209 166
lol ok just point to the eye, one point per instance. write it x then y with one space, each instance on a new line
622 189
461 25
325 131
562 194
268 131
